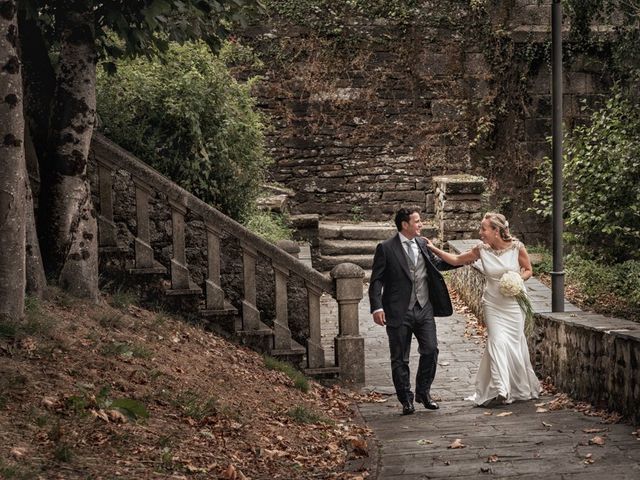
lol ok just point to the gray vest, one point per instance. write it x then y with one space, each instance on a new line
419 285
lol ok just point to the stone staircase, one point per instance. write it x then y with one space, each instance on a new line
179 252
348 242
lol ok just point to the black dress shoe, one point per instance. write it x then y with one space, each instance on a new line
428 402
408 408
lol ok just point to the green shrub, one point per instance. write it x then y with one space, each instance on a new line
299 380
190 119
616 287
601 181
270 226
611 289
302 414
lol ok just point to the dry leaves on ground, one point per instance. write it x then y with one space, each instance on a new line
457 443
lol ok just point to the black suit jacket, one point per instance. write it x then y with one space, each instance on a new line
390 285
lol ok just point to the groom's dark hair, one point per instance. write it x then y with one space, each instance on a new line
403 215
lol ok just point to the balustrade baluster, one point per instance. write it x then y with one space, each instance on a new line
214 292
315 352
143 252
250 313
282 334
107 230
180 278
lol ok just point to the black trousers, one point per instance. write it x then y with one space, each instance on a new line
418 321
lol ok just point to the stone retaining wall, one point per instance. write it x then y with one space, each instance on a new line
589 356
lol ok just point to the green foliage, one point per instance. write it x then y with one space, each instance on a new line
132 409
186 116
611 289
134 27
36 322
270 226
110 320
299 380
197 406
601 181
126 350
619 48
15 472
328 13
63 452
302 414
123 298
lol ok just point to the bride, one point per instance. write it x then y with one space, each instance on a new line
505 372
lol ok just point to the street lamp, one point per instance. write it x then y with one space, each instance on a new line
557 275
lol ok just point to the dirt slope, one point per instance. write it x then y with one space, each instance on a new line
99 392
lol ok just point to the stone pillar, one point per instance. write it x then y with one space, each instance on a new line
458 206
349 345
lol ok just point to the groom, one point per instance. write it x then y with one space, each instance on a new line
405 292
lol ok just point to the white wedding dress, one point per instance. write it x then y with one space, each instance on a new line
505 372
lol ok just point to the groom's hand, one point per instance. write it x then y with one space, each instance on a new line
378 317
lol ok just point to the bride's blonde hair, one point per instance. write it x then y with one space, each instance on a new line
499 222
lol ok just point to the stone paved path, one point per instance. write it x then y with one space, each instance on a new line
526 444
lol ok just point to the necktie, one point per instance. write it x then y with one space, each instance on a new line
412 256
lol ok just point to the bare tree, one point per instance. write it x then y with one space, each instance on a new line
12 168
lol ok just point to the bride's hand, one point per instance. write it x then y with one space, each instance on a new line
427 241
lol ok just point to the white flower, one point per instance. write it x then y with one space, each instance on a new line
511 284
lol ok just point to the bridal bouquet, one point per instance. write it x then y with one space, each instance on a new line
512 285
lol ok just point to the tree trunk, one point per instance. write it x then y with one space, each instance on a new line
12 169
39 83
67 219
36 280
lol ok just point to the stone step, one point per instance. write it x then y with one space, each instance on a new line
356 231
348 247
327 262
365 230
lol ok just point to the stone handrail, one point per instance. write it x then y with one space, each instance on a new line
590 356
123 159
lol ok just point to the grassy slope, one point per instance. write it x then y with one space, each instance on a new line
214 410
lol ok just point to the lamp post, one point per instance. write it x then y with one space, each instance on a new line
557 275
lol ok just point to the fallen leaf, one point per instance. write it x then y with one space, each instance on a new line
541 410
541 404
116 416
230 473
597 440
488 413
48 402
492 458
504 414
594 430
548 425
18 452
424 441
360 446
100 414
457 443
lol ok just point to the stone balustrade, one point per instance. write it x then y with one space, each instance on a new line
589 356
207 254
